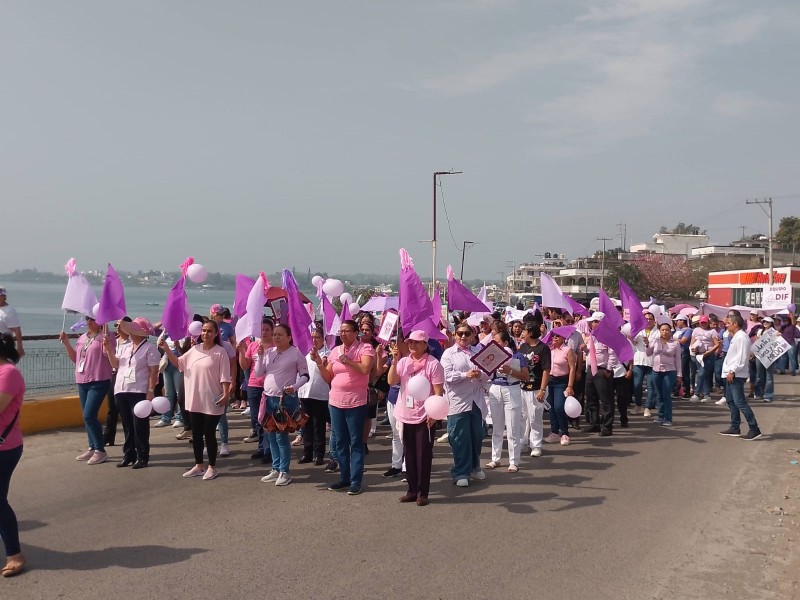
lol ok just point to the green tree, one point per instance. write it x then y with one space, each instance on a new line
631 274
789 232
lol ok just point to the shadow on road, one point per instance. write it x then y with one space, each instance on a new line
129 557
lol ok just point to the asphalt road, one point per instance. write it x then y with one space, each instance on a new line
649 513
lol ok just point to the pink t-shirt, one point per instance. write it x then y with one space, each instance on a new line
702 340
559 364
12 383
252 353
349 386
204 372
133 373
92 358
408 409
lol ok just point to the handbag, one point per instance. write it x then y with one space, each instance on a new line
281 421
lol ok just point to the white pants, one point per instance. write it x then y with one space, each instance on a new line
505 404
397 441
534 412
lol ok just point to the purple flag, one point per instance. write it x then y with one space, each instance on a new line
415 304
80 296
243 286
175 318
428 326
436 303
460 298
564 331
576 308
345 316
299 319
112 300
552 296
607 331
249 325
631 301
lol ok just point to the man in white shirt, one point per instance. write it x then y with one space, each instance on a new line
9 321
735 370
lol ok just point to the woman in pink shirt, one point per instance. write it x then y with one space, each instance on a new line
12 392
206 372
416 425
93 376
666 353
347 371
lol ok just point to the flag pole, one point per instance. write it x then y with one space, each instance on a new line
64 322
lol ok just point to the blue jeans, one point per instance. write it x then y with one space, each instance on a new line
718 380
758 387
348 423
737 403
465 432
223 427
558 417
92 395
702 384
664 383
333 453
765 379
640 372
277 442
173 385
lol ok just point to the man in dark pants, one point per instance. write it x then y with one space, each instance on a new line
110 431
623 389
600 385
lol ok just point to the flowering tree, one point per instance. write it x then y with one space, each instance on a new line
666 276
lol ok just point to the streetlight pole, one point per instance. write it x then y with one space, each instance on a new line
463 251
603 262
433 241
768 202
513 265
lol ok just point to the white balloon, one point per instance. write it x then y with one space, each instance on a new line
354 308
572 407
195 327
143 408
346 299
197 273
161 404
95 308
333 287
316 280
419 387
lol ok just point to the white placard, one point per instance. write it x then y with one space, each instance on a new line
388 326
776 296
769 347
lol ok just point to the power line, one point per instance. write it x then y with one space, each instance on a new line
447 216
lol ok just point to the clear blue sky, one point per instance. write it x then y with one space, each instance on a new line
262 135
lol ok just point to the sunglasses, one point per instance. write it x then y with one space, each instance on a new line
463 333
89 319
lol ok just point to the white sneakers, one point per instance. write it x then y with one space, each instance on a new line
443 438
86 455
647 412
565 440
721 401
536 452
271 476
478 475
283 479
224 450
463 482
97 458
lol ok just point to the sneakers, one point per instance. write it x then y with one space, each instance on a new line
757 398
354 490
393 472
552 438
98 458
721 402
694 398
666 423
767 399
464 482
477 475
86 455
753 434
338 486
184 435
283 479
731 432
177 424
647 412
271 476
245 412
297 441
211 473
658 420
705 399
537 451
332 467
565 440
253 437
161 424
195 471
442 439
224 450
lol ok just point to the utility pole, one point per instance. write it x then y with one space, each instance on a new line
513 265
433 241
463 251
768 212
603 262
503 279
743 228
623 236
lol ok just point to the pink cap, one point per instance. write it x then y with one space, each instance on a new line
216 309
418 336
703 319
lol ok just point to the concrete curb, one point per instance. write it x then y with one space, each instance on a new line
54 413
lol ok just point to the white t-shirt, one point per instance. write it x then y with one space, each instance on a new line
8 318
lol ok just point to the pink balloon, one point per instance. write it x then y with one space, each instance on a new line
161 404
143 408
437 407
195 327
418 387
197 273
572 407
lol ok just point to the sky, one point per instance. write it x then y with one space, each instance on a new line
262 135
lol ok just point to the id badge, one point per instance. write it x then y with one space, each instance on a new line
130 376
81 366
409 402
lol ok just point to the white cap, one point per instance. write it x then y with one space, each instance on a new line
596 316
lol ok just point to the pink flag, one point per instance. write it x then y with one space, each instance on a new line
592 355
552 296
575 308
415 304
243 286
299 319
249 325
70 267
185 267
175 318
80 296
112 299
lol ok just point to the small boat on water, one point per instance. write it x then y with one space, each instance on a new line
152 304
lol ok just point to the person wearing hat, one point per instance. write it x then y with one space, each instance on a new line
703 346
93 376
643 365
137 374
416 425
9 321
765 379
599 386
683 335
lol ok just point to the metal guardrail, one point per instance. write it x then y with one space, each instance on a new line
47 369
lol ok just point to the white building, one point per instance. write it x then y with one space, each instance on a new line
672 243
